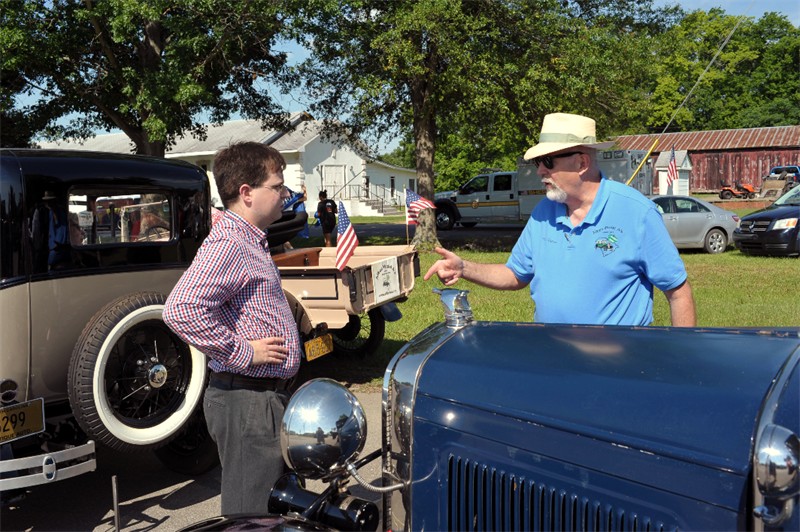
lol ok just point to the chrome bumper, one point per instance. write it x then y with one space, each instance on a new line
47 467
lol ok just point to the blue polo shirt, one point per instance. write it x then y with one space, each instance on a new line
602 271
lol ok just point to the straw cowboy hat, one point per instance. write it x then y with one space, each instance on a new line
561 131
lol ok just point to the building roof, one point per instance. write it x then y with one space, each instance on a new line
716 140
682 160
303 130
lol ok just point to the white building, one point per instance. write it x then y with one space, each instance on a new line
367 187
680 187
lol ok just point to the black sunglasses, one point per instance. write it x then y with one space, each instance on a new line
547 160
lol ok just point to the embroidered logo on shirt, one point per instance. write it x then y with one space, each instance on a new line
606 245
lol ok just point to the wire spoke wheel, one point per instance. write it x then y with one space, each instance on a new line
133 382
362 336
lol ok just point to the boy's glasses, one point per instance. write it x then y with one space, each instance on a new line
547 160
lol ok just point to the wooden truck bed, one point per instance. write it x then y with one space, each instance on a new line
374 275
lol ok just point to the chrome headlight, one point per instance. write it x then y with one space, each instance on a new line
323 428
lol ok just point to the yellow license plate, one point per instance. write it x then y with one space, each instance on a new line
317 347
20 420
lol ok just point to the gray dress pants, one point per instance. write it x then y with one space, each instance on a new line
245 424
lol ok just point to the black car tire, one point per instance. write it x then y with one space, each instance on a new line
716 241
193 452
445 218
362 336
726 194
132 382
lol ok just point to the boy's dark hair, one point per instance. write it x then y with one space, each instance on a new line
244 163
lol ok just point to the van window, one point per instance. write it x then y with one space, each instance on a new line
502 182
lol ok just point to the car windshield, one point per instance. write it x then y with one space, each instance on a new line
790 198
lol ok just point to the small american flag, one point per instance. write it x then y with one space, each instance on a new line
346 241
672 169
414 204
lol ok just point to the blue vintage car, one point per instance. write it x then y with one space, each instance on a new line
501 426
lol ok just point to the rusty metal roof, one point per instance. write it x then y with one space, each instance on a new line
717 140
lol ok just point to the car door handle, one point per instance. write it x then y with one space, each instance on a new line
487 196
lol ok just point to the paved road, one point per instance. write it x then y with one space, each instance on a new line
150 497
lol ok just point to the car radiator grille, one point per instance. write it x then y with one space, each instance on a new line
481 497
755 226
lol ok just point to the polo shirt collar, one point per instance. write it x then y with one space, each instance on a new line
595 210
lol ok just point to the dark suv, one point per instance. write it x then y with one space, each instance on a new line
774 230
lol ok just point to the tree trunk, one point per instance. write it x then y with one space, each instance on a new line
425 141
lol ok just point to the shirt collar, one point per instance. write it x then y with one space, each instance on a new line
249 229
598 204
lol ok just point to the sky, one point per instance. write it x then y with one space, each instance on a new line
750 8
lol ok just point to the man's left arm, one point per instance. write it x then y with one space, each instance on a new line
681 306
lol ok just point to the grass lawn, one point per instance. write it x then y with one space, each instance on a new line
730 290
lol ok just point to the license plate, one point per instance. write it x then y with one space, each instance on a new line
317 347
20 420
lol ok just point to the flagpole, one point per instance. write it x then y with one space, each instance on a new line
405 201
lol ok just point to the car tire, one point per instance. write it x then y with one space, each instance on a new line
726 194
445 218
362 336
716 241
193 452
133 383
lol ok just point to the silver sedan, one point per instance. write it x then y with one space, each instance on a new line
694 223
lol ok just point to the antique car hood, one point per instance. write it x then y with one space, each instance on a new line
675 409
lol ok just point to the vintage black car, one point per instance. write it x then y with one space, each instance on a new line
521 426
772 231
91 244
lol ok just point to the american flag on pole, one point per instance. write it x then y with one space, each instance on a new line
346 240
414 204
672 169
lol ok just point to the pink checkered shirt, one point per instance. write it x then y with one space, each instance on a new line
231 293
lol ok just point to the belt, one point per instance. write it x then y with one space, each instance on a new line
233 381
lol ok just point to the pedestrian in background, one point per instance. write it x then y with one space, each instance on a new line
326 209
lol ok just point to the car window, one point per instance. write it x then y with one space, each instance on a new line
476 184
663 204
790 198
110 217
688 205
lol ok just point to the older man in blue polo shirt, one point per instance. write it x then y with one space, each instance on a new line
593 250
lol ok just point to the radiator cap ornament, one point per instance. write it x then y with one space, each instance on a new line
457 312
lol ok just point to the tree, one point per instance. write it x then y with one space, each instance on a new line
149 68
749 84
477 75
